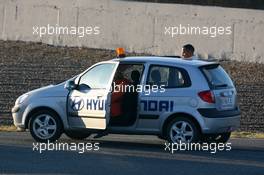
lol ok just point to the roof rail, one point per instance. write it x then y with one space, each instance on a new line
171 56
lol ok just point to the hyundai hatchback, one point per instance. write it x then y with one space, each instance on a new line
177 100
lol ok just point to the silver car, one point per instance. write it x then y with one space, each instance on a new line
177 100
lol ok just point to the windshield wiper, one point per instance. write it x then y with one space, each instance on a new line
221 85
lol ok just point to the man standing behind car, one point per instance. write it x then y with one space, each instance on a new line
188 52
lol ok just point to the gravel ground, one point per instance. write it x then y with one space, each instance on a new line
26 66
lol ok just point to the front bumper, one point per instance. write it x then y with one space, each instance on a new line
17 114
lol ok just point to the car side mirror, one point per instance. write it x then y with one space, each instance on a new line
70 85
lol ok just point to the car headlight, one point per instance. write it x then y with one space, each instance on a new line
22 98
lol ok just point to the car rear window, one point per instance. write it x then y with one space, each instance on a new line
216 76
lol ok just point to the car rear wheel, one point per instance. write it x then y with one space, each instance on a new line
182 129
45 126
76 135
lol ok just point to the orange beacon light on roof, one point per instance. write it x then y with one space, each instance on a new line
120 52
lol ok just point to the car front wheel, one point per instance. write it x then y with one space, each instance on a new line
182 130
45 126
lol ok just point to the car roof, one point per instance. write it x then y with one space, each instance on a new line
164 60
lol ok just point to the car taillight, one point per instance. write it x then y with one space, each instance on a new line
207 96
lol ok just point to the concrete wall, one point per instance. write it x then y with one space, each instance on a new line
138 27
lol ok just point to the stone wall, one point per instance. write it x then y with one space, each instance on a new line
26 66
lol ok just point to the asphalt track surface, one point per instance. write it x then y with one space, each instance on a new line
127 154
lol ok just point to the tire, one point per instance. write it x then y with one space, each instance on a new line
75 135
217 138
182 129
45 125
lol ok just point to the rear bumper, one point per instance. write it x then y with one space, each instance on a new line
214 113
221 125
220 121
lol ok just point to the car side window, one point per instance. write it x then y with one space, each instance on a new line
126 70
168 77
98 77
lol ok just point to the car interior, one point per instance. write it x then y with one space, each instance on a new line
124 101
